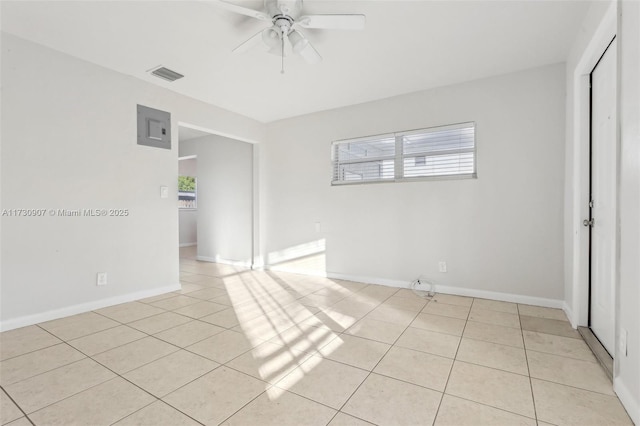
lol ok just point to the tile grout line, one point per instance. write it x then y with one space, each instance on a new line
370 372
269 386
52 369
484 404
36 350
79 337
74 394
563 356
118 375
190 344
151 403
16 404
526 357
455 356
495 343
614 395
491 368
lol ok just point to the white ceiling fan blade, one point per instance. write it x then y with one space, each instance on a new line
254 41
242 10
310 54
338 22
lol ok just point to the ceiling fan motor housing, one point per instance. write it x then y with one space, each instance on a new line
287 8
284 23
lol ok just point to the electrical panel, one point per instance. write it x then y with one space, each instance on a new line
154 127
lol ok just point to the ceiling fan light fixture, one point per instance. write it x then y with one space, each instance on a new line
277 51
298 42
271 37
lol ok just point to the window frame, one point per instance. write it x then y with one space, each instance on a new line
399 156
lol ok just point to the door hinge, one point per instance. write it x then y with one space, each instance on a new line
591 204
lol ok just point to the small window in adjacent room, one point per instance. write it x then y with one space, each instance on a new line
187 192
436 152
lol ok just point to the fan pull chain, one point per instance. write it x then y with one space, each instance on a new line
282 40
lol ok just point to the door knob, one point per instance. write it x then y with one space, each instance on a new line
588 222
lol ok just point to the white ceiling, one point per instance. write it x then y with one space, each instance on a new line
407 46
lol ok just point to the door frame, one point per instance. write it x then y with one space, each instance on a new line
590 198
577 303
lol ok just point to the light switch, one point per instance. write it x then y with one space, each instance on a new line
101 278
164 192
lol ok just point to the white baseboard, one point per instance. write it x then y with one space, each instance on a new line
458 291
206 259
627 399
569 313
241 263
188 244
26 320
368 280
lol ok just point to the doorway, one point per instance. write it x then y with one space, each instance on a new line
602 221
224 199
188 205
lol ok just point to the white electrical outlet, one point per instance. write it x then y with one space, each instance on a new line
623 342
164 192
442 266
102 278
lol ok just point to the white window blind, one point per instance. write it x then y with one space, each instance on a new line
365 159
445 151
439 151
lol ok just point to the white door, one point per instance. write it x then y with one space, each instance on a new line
603 196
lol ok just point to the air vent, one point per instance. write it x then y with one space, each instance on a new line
166 74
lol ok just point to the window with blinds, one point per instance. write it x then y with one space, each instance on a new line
366 159
436 152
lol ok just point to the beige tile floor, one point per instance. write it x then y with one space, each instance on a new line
240 347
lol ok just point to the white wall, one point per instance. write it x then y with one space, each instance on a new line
225 198
627 366
69 141
499 233
188 218
188 167
188 227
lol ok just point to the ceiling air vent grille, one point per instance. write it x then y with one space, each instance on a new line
166 74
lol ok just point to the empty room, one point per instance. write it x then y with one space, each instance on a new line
319 212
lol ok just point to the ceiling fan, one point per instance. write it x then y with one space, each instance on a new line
283 34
